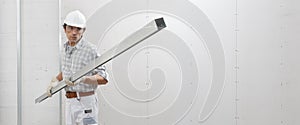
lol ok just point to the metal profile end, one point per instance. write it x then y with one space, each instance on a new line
160 23
40 99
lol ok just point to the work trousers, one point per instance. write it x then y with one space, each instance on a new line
82 110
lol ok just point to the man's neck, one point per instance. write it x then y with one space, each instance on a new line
72 43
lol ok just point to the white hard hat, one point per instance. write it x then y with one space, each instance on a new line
75 18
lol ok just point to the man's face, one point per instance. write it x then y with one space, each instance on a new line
74 33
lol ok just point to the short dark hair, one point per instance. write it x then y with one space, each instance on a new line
65 25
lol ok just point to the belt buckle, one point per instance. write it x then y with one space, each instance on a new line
78 96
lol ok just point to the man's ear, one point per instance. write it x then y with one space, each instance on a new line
64 26
83 30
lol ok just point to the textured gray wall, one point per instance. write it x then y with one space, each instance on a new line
258 40
218 62
40 39
40 57
8 63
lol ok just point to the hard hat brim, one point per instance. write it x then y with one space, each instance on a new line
75 25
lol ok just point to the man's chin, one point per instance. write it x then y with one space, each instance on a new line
72 41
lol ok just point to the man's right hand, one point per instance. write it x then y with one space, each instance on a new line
52 84
70 83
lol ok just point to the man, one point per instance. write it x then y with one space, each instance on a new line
81 102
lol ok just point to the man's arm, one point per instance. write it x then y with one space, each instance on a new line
101 80
94 79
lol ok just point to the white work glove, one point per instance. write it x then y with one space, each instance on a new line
52 84
70 83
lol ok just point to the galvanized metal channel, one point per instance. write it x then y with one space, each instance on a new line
19 63
60 48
